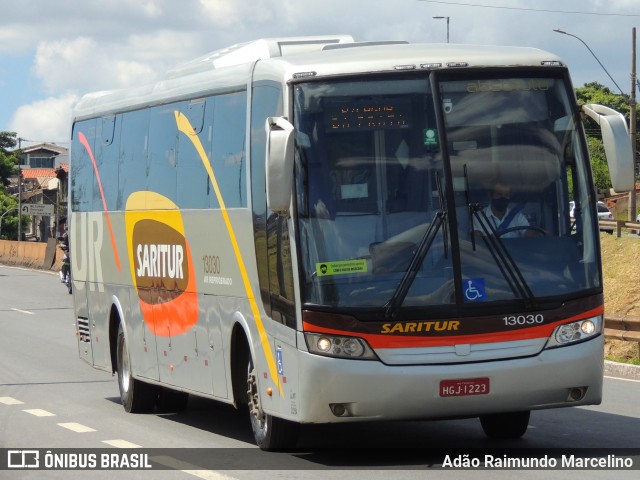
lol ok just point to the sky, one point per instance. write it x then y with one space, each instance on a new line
54 51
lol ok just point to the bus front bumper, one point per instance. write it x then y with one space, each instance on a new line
336 390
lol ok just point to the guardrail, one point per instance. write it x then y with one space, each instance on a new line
622 327
618 225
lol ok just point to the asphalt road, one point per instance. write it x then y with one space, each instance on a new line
50 399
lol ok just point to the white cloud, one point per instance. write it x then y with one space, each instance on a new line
94 45
81 65
164 47
45 120
58 64
232 13
14 39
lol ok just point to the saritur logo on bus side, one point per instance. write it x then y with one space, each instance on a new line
161 263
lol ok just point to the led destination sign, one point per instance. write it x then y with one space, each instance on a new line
383 114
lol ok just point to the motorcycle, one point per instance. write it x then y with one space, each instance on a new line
65 271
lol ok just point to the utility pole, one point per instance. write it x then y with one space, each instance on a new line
20 204
632 126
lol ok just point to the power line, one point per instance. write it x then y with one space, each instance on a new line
37 142
65 142
598 14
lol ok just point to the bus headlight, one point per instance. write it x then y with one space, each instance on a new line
340 347
574 332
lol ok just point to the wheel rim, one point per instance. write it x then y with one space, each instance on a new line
125 370
255 410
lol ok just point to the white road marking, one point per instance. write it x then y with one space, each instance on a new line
190 469
39 412
623 379
173 463
121 444
22 311
76 427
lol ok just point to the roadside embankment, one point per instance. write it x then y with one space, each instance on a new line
40 255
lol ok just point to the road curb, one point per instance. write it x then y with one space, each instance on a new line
624 370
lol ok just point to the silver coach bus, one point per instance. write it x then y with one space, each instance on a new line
324 230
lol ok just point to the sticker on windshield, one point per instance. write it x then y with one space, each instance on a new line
474 290
338 268
430 136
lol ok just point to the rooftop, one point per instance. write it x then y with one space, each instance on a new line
38 173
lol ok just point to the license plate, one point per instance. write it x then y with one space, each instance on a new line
464 387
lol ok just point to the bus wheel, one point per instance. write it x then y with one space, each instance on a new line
505 425
270 433
136 396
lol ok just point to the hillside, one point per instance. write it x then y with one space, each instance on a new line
621 273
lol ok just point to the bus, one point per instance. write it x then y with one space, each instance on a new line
305 228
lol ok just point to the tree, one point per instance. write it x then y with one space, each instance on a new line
9 159
9 214
594 92
599 166
7 141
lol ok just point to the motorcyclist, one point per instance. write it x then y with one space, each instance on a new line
65 270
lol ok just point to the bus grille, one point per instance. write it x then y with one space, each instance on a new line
83 330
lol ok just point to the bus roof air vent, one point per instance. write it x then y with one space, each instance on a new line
257 50
336 46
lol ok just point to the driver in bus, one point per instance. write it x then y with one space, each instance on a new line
500 217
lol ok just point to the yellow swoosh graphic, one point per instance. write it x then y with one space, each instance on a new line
185 127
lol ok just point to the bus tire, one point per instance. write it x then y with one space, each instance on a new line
505 425
270 433
136 396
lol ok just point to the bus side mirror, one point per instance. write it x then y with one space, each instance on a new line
279 164
617 145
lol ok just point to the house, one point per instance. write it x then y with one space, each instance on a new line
44 155
39 183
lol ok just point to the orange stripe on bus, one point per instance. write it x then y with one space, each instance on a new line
84 142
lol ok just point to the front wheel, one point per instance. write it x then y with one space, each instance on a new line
270 433
136 396
505 425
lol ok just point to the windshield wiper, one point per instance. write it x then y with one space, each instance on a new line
439 221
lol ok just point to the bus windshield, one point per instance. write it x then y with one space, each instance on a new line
409 197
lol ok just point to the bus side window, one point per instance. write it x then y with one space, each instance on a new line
133 153
163 151
82 175
106 153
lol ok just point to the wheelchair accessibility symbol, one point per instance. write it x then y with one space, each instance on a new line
279 363
474 290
